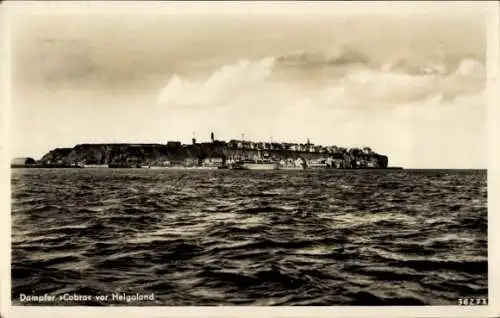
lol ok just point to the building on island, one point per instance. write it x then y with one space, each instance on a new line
22 162
174 144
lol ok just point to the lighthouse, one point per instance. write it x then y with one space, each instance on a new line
212 136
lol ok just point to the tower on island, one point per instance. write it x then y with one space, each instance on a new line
212 136
194 138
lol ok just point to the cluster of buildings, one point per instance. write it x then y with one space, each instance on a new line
287 146
278 146
294 154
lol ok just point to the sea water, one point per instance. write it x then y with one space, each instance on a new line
217 237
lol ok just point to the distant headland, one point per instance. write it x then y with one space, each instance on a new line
236 154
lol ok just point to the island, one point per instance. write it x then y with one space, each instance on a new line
212 154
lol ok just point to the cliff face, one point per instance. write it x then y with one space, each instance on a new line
159 154
56 155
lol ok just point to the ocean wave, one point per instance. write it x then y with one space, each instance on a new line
357 238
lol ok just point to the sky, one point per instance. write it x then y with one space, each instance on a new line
410 84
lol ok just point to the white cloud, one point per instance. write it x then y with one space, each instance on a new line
222 87
472 68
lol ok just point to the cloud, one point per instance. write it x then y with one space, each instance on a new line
333 57
471 68
358 79
223 86
392 86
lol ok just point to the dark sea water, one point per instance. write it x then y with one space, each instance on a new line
357 237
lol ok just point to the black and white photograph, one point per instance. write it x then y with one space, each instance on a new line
248 154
